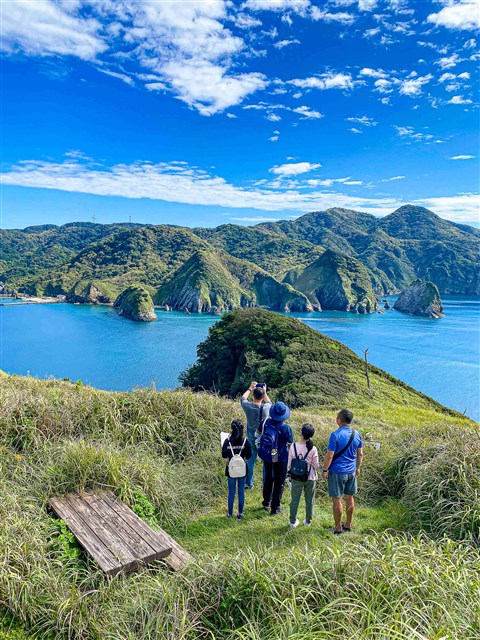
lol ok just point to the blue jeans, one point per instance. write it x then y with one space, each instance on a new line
233 483
251 461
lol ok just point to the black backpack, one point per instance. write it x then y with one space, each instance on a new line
299 469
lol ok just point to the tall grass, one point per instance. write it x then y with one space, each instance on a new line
56 436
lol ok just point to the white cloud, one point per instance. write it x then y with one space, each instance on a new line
416 136
393 178
461 208
120 76
298 6
255 219
459 100
462 157
448 61
327 16
329 80
363 120
470 44
372 73
463 15
382 85
367 5
413 86
308 113
231 115
281 44
177 182
246 21
273 138
354 130
294 169
44 28
447 76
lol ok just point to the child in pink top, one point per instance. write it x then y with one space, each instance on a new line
303 450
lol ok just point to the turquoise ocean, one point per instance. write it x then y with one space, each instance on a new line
438 357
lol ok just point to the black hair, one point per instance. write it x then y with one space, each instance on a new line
345 415
307 433
258 393
237 432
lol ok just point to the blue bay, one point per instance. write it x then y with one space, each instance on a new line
438 357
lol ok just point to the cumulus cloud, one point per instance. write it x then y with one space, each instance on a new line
281 44
413 86
294 169
448 61
463 15
297 6
308 113
466 157
459 100
363 120
44 28
462 207
328 80
409 133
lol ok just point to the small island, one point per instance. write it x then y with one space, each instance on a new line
136 304
421 298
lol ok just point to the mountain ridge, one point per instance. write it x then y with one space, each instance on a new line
409 243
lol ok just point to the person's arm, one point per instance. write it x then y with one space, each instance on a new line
290 458
265 395
327 461
249 390
225 449
359 460
247 451
314 459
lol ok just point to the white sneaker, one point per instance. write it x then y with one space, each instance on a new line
294 525
307 523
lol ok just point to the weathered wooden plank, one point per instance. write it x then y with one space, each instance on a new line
178 557
149 535
141 550
86 538
97 523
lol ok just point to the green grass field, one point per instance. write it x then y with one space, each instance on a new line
408 571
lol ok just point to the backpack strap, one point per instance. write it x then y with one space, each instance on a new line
241 449
342 451
231 448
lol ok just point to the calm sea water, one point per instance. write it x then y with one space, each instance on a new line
438 357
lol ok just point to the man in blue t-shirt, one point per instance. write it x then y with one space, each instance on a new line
341 468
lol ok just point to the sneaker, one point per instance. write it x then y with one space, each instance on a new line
229 515
240 516
346 529
307 523
278 512
294 525
265 508
248 486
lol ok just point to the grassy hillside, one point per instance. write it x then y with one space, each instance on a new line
252 579
303 366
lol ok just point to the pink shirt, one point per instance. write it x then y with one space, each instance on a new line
312 458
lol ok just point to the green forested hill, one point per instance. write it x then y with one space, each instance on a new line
93 262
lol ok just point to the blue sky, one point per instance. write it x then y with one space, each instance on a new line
206 112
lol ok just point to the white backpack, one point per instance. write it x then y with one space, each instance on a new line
237 467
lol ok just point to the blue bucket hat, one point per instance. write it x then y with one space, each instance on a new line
279 412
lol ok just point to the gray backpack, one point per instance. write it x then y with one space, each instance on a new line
237 467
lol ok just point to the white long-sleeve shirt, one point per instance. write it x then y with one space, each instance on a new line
312 458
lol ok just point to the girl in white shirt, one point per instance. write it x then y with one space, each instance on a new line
304 450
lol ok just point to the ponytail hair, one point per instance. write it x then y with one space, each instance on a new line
307 434
237 431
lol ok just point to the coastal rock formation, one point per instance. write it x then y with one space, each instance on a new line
94 292
338 282
216 281
421 298
136 304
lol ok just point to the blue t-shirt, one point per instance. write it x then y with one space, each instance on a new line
347 462
284 436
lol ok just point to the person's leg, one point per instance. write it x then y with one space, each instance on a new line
309 491
297 488
350 491
337 513
350 503
267 484
232 485
251 464
279 475
241 495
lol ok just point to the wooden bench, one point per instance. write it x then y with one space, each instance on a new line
113 535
